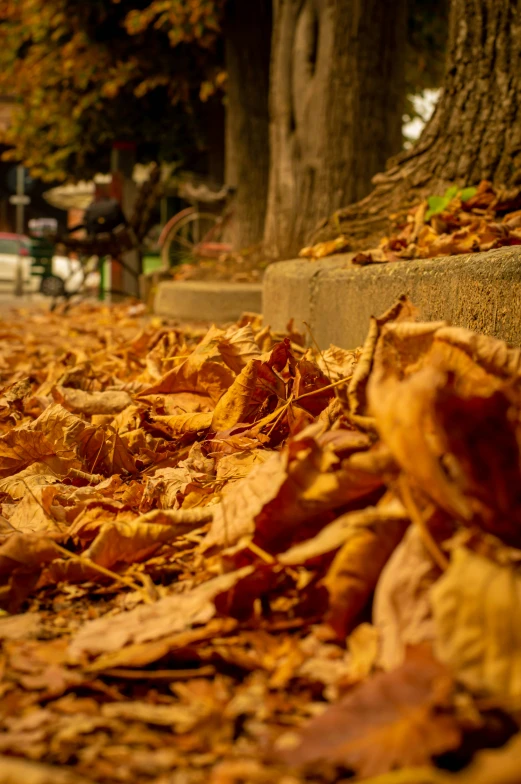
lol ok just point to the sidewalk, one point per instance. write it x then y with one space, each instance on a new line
9 301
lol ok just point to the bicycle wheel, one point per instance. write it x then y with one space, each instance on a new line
182 241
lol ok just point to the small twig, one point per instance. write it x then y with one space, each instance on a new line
322 389
283 409
439 558
262 554
127 582
165 675
311 335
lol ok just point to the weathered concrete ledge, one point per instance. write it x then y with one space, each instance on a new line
480 291
207 300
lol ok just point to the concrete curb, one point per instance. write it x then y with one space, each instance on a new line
480 291
207 300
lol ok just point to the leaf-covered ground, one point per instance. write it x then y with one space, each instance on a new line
225 558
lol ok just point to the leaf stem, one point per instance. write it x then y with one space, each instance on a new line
113 575
322 389
439 558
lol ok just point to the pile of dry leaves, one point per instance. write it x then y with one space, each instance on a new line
233 560
460 221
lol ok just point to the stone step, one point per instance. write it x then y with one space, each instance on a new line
215 301
480 291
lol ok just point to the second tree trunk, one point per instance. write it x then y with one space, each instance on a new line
336 105
248 38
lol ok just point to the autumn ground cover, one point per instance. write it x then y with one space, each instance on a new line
462 220
225 558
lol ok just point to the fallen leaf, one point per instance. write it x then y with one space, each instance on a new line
202 372
181 424
333 536
168 615
356 568
128 542
497 766
325 248
292 487
392 720
141 654
14 771
82 402
242 401
363 645
181 718
478 635
402 608
402 310
238 346
20 627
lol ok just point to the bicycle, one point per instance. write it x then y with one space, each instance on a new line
110 240
192 234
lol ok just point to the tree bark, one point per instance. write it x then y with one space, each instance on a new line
247 32
214 116
336 105
475 132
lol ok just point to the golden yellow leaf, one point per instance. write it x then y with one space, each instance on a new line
203 372
390 720
140 654
476 606
356 568
18 770
152 622
89 403
181 424
402 608
323 249
238 346
288 490
237 405
402 310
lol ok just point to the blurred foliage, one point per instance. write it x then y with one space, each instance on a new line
427 34
88 73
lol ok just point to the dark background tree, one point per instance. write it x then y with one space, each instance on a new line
247 35
87 74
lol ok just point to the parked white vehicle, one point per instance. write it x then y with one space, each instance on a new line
14 250
67 276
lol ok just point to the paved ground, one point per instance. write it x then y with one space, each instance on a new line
9 301
205 300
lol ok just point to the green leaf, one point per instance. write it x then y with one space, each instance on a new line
468 193
451 193
436 204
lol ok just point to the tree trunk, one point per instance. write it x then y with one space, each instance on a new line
214 119
475 132
336 105
247 32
